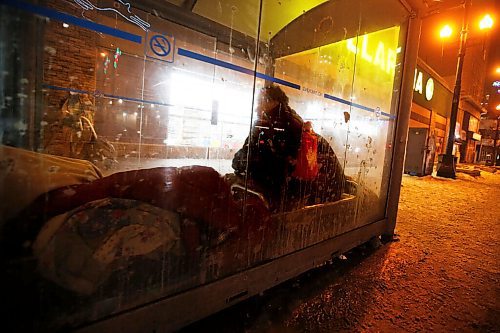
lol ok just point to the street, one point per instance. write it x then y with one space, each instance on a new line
441 274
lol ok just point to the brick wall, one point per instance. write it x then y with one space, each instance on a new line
69 56
69 61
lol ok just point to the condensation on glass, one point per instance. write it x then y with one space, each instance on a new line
121 126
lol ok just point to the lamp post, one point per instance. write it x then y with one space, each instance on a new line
447 164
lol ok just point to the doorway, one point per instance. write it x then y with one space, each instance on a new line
416 151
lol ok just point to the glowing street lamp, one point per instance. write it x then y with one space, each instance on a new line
445 32
486 22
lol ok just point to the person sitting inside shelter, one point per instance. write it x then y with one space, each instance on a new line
268 154
272 156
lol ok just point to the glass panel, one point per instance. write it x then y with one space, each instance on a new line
149 151
323 75
374 96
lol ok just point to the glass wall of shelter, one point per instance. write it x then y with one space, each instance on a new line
151 147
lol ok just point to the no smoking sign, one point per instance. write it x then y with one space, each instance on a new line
160 46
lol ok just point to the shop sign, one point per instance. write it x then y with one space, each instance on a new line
430 93
476 136
496 84
418 85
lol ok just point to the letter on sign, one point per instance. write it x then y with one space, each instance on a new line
418 83
429 89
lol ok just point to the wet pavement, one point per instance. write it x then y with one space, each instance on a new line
442 275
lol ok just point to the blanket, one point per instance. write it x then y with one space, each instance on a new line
78 250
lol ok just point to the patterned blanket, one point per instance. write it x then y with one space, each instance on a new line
78 250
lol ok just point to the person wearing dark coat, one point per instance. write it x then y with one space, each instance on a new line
268 154
268 157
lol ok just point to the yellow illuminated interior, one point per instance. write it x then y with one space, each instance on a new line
369 59
242 15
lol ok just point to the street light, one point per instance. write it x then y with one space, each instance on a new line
446 166
445 32
486 22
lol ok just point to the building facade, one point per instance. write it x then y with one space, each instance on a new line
489 133
473 79
429 120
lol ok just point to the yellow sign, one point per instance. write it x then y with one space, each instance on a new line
374 51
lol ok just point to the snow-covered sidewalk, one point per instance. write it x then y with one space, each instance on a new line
444 274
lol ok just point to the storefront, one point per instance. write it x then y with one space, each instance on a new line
122 207
428 120
470 113
489 132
